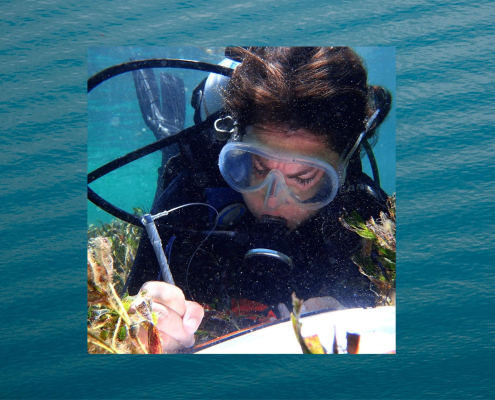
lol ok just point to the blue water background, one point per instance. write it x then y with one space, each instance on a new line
116 126
445 198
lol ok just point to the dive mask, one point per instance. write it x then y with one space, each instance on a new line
283 177
280 176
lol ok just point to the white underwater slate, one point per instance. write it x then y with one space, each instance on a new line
375 325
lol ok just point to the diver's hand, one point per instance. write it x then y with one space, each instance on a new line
320 303
312 304
178 318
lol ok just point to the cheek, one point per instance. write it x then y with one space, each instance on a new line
254 202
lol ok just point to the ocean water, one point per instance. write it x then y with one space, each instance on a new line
445 196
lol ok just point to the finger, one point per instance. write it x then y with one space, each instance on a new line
170 345
283 311
170 326
168 295
321 303
192 317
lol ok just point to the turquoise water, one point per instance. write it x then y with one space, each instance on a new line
116 127
445 198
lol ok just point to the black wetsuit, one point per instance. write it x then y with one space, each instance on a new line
321 250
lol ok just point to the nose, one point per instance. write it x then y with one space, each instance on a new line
273 189
276 190
271 203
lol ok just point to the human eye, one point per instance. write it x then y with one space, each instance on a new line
305 182
305 177
259 170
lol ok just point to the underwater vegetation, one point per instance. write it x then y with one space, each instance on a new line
124 240
311 344
377 257
111 327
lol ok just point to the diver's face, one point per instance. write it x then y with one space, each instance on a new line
302 142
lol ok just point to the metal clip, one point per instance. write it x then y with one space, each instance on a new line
225 127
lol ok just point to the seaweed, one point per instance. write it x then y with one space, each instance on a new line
112 328
124 240
311 344
376 260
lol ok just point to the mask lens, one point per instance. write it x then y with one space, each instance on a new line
309 182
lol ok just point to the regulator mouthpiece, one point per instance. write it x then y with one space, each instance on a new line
269 244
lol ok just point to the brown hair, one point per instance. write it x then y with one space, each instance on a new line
321 89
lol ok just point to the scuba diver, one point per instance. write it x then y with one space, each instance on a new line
281 167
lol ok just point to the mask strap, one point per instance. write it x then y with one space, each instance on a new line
344 161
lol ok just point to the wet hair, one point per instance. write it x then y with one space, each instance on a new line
321 89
